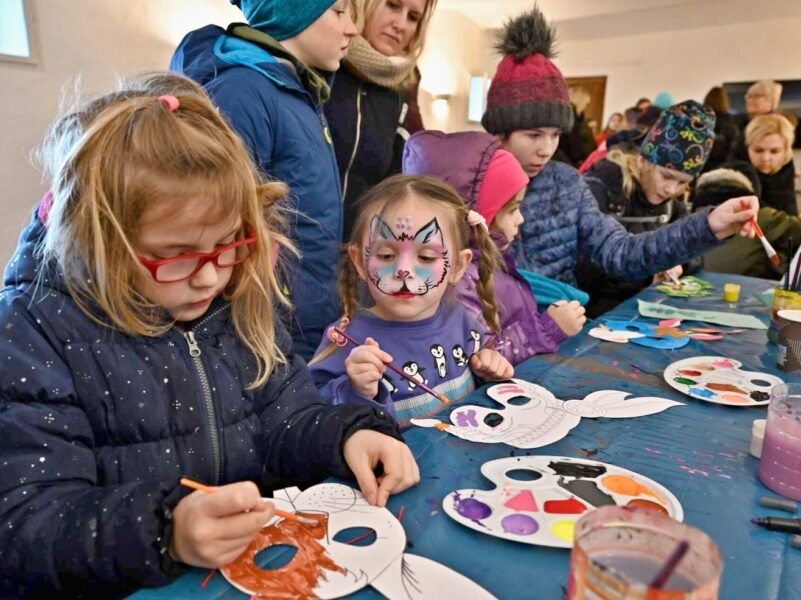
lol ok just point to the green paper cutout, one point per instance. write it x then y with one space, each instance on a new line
665 311
692 287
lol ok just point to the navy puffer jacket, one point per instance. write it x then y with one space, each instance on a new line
563 224
97 427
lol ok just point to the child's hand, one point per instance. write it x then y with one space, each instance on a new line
665 276
733 216
568 315
211 530
491 365
365 449
365 365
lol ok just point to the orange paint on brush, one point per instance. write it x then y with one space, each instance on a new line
625 485
726 387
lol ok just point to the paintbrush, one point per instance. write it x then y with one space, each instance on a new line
772 255
661 578
398 370
281 513
673 279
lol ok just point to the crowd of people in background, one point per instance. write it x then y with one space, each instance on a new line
277 200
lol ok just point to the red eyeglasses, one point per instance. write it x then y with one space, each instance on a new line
184 266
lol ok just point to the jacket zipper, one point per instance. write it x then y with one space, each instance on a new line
194 352
356 142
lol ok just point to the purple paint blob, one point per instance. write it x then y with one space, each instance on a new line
470 508
466 418
519 524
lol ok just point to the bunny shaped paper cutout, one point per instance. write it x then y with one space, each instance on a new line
541 418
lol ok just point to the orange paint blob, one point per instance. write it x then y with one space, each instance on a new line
641 504
625 485
725 387
734 398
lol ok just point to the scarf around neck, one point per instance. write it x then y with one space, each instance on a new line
395 72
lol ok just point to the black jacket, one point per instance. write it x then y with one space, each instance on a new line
637 215
366 122
778 189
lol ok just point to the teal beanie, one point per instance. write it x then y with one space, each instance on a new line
282 19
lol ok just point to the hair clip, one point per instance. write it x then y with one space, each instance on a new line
170 102
475 219
336 338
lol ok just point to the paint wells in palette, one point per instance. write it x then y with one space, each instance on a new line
543 511
720 380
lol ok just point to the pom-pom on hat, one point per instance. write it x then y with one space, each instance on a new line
282 19
527 91
681 138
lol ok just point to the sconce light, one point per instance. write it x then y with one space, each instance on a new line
439 105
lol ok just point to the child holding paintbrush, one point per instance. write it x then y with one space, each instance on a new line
409 245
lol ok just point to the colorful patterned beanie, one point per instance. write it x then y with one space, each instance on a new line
682 138
527 91
282 19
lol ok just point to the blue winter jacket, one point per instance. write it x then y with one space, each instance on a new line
564 225
283 127
97 427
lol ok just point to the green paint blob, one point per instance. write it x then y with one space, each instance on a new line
684 381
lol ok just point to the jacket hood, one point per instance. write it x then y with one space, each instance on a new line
460 159
25 263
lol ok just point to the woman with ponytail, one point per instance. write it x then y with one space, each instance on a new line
491 183
410 243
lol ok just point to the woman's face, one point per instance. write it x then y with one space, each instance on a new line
767 154
392 27
660 184
757 104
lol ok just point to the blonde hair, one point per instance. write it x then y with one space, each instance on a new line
394 191
136 154
765 125
766 87
364 10
627 161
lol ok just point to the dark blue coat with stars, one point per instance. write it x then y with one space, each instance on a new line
97 427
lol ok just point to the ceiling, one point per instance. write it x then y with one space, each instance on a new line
592 19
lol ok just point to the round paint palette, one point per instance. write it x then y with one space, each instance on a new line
538 499
720 380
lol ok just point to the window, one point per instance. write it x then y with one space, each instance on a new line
477 98
16 41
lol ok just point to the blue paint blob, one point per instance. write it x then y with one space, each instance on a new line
701 392
519 524
471 509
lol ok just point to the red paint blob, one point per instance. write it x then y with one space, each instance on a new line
565 507
690 372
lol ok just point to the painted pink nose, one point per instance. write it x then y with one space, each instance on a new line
402 274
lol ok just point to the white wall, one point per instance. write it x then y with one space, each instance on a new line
99 40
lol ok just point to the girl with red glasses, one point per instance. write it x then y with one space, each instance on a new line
141 344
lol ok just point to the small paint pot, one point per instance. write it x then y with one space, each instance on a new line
788 342
757 437
731 293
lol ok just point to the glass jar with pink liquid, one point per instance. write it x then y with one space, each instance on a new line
780 465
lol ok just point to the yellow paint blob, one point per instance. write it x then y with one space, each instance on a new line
564 530
623 484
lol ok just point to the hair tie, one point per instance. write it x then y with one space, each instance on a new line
336 338
170 102
475 219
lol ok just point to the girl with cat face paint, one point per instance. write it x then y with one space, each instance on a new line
409 246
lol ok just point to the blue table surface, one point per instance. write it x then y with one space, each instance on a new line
700 452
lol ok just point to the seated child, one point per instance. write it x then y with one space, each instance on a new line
140 346
409 244
491 182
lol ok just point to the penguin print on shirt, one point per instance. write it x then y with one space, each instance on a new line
458 356
438 352
476 337
387 382
416 371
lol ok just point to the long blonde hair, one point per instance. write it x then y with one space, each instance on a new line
136 154
394 191
364 10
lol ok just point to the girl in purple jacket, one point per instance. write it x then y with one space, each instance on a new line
492 183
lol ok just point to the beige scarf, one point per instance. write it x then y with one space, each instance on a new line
395 72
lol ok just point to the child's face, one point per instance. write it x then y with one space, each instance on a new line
767 154
533 148
392 27
324 43
408 258
165 235
509 219
660 184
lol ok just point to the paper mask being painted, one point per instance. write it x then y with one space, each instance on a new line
538 499
533 417
720 380
324 567
664 311
642 334
691 287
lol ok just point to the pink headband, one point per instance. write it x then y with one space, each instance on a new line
170 102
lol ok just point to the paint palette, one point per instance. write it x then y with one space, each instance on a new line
538 499
720 380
